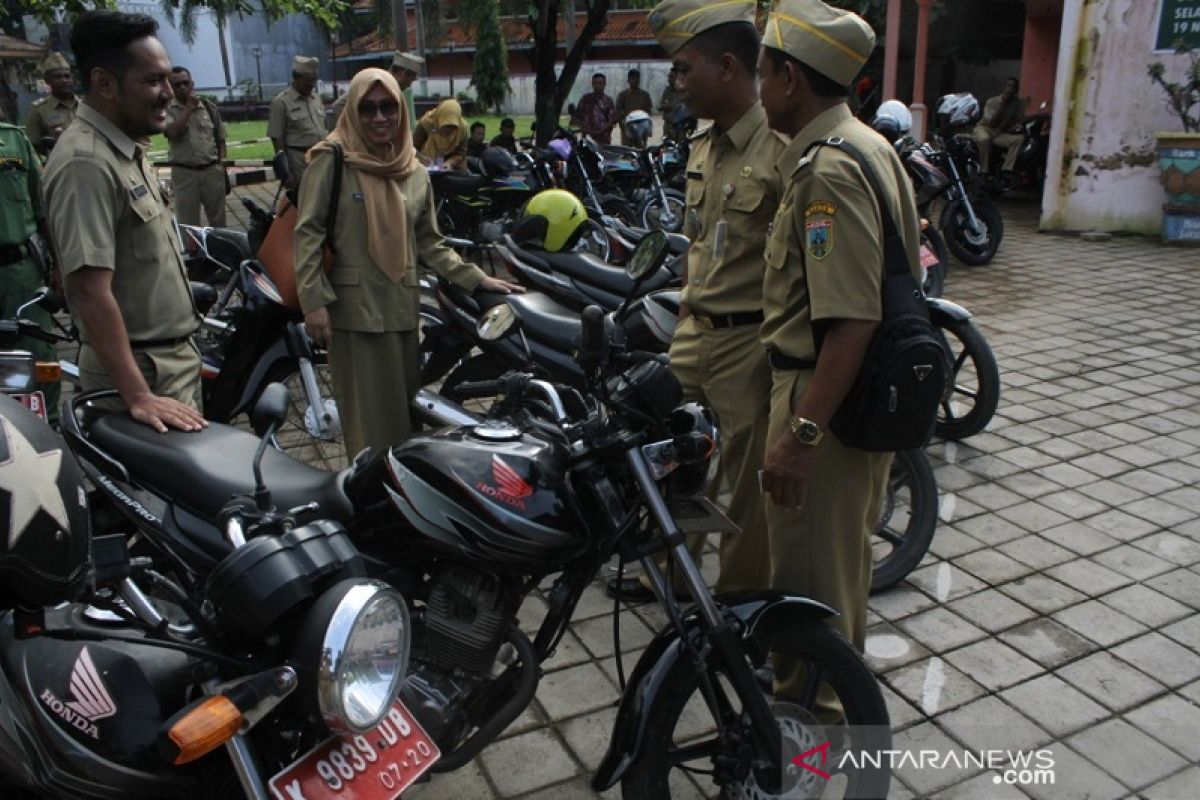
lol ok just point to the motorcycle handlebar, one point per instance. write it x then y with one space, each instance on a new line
591 334
469 390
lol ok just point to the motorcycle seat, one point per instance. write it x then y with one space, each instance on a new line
546 320
457 182
201 471
586 268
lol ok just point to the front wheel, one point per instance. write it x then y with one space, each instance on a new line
682 736
652 215
972 245
908 520
972 382
311 431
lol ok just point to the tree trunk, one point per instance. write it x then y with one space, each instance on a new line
551 91
220 19
400 24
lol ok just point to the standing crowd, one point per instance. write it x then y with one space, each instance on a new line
781 289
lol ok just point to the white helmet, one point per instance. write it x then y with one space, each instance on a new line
892 120
638 127
957 110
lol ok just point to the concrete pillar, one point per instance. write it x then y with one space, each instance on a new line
922 57
891 50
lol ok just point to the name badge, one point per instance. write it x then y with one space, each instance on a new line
138 192
357 196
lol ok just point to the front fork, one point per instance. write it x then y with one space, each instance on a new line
965 195
720 631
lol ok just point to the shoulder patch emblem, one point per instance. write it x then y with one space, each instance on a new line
746 170
820 207
818 238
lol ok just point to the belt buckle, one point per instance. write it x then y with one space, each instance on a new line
704 323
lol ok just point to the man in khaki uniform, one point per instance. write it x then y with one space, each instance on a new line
405 68
51 114
732 193
297 118
824 268
634 98
112 228
196 142
1001 126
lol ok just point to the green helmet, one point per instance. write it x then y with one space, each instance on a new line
552 219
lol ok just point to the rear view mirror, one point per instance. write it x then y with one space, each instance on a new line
17 372
648 255
271 408
495 322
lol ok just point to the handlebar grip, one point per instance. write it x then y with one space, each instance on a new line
591 335
472 389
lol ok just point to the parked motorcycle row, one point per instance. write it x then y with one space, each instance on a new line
244 616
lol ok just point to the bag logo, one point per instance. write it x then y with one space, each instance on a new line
509 486
90 700
922 371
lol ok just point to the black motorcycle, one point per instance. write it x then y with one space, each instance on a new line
466 522
158 679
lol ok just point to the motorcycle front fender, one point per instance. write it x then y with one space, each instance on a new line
756 612
943 311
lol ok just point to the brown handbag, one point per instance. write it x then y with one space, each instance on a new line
277 252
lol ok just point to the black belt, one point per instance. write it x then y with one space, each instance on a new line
780 361
298 146
197 167
712 322
12 253
154 344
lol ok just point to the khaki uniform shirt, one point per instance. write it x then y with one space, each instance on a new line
732 193
198 144
106 210
828 225
48 113
359 296
20 186
299 121
633 100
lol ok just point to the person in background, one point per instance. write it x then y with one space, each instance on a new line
477 144
405 69
633 98
825 265
365 311
50 115
671 97
505 137
196 150
22 217
1001 126
441 137
113 230
595 113
297 118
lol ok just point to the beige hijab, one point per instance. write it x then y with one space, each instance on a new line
447 113
379 171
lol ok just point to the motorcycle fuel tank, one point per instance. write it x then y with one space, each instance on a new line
490 493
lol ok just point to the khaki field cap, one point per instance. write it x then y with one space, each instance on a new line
54 61
835 43
306 65
675 22
409 61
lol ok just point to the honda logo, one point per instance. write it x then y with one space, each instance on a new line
90 700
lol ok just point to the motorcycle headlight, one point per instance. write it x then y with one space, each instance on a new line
354 646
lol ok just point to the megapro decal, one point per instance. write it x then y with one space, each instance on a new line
130 503
90 700
510 487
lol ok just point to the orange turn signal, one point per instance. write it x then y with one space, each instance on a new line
205 728
48 372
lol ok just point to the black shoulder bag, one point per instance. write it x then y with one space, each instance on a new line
894 401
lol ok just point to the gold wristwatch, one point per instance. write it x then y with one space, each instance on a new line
806 431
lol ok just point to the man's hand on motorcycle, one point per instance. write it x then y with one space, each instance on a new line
319 327
161 413
490 284
785 471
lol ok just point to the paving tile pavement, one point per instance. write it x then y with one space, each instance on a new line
1058 606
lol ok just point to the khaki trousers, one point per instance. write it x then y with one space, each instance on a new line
727 370
196 188
822 550
169 372
375 376
296 163
1010 142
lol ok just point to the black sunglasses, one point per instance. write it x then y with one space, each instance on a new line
368 109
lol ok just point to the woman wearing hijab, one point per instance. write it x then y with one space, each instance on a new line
365 310
442 134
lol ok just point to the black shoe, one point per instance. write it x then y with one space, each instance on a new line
631 590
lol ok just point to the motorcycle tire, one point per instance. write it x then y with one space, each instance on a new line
935 276
973 382
295 436
908 520
972 248
679 704
620 208
650 211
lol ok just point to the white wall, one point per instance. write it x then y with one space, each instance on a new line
203 58
1106 111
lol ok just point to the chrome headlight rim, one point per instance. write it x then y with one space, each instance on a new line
359 598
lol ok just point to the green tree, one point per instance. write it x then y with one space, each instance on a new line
489 72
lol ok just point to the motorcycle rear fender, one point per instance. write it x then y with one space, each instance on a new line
277 353
757 613
943 311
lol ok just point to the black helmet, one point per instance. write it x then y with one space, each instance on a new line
45 539
498 162
698 424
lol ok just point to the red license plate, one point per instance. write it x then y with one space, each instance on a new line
377 765
34 401
928 257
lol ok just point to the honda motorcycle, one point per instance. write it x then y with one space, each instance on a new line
133 673
466 522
